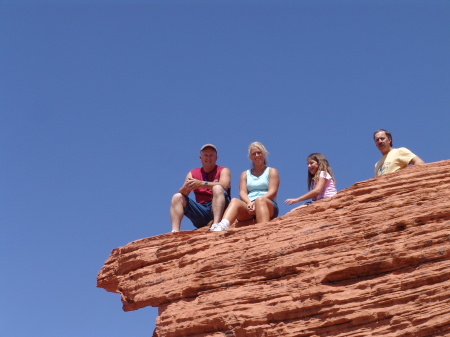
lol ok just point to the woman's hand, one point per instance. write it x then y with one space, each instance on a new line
251 207
291 201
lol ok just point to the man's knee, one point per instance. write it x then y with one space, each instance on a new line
178 198
217 190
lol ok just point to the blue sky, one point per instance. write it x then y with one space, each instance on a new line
105 105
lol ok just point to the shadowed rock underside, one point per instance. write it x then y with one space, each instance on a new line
372 261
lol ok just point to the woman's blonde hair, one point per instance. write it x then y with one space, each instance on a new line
323 165
261 147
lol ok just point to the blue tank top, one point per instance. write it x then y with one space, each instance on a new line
257 186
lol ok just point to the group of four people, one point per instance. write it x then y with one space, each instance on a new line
258 187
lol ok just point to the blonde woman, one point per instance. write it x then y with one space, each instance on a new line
258 188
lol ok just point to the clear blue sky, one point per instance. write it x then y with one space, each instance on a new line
105 104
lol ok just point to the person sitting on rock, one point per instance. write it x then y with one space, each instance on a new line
211 186
321 182
258 190
392 159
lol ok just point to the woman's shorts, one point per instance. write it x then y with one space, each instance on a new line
275 209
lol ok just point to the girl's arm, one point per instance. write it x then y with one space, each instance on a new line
274 183
311 194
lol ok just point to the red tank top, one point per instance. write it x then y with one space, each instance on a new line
203 195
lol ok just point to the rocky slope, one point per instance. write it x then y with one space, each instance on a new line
371 261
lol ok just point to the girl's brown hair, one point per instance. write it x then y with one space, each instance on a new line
323 165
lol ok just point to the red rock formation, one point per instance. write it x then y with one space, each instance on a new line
371 261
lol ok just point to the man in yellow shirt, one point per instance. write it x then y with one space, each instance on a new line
392 159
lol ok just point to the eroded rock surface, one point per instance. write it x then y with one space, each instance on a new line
372 261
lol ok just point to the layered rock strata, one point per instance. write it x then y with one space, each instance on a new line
372 261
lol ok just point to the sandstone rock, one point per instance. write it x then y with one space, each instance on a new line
372 261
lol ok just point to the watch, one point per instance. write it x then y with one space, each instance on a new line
206 183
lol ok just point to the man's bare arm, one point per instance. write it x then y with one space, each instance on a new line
416 161
185 189
225 179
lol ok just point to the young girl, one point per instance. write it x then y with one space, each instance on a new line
321 183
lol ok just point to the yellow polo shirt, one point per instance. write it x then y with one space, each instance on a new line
394 160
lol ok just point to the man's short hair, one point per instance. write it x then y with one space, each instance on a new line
387 133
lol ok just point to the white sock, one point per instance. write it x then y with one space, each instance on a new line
225 222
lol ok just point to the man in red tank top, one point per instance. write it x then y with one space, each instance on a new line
211 186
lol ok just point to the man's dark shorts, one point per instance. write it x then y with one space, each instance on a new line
201 214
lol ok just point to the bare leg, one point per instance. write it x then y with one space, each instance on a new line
236 209
264 209
218 203
177 210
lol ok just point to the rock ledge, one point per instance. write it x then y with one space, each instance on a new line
372 261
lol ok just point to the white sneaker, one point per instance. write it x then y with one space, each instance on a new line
222 226
213 226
